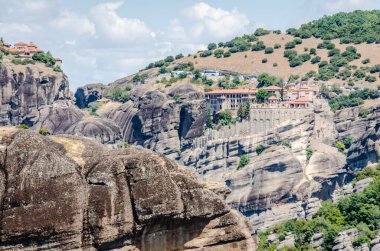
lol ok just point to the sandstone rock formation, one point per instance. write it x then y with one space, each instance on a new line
88 93
160 119
24 89
64 192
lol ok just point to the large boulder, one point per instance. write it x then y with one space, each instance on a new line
65 192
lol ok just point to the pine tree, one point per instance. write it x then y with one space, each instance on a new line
247 110
240 111
209 123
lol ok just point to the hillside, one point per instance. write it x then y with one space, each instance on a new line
250 62
352 54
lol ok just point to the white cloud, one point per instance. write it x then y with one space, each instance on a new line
216 22
26 10
8 29
71 42
116 28
347 5
73 23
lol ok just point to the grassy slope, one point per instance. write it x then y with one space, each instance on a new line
252 65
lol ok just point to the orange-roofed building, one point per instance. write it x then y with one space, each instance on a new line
21 46
229 99
300 93
58 62
300 103
273 100
273 90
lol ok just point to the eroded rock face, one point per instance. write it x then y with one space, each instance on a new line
159 119
88 93
64 192
24 89
56 118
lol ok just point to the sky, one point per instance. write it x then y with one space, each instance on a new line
102 41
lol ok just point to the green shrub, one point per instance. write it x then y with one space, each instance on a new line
259 46
278 32
179 56
364 113
22 126
297 41
42 57
268 50
290 54
375 69
285 143
368 172
313 51
126 145
333 52
260 149
227 54
359 74
370 78
169 59
244 160
309 153
218 53
366 61
295 62
290 45
305 57
348 141
244 110
326 45
261 32
340 146
43 131
204 54
277 46
212 46
234 50
316 60
265 79
225 117
264 61
57 68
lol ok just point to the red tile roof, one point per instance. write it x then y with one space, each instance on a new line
233 91
21 44
272 98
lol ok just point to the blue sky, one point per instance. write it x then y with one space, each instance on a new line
101 41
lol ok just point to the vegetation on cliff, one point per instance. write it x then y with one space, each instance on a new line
361 211
338 101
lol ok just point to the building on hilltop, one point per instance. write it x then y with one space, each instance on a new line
58 62
229 99
211 73
273 90
23 50
300 103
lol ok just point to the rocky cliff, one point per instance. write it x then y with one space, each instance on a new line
64 192
25 89
160 118
281 183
